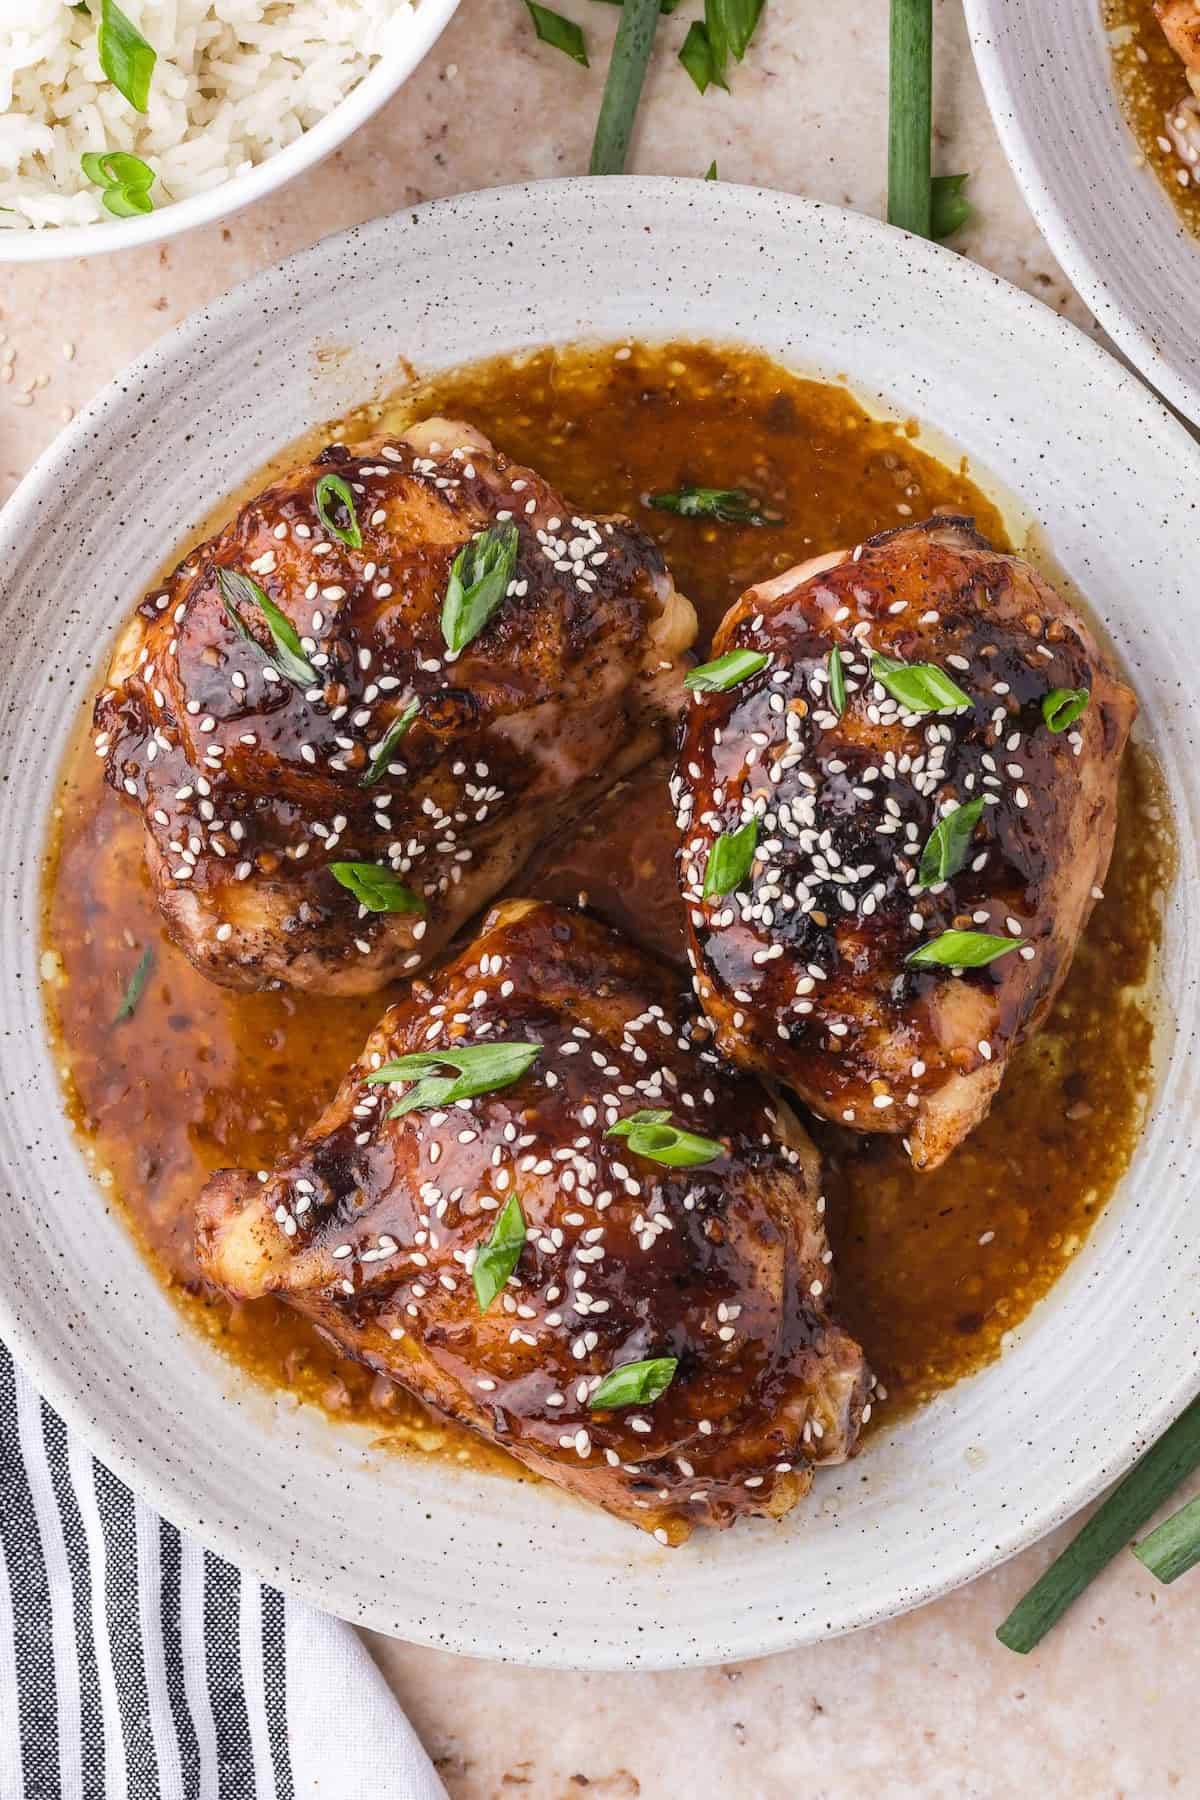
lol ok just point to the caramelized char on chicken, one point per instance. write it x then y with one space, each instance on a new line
263 749
1180 20
803 963
378 1226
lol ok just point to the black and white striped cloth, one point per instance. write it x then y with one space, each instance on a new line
136 1665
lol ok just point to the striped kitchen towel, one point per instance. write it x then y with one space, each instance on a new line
136 1665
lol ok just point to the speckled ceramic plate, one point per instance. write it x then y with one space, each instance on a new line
1047 73
466 1561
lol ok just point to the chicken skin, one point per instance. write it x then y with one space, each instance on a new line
1180 21
926 746
349 717
647 1326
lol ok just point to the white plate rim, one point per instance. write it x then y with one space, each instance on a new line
173 1501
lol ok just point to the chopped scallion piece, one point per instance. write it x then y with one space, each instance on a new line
133 991
910 112
651 1134
328 489
837 683
946 850
478 585
635 1383
1174 1547
962 950
623 86
562 34
919 687
1171 1460
732 506
380 753
496 1259
949 207
288 657
729 860
376 887
1063 706
125 56
697 57
725 672
482 1068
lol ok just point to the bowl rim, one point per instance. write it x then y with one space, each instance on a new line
59 243
1087 268
175 1501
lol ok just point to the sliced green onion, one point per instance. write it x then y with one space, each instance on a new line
561 34
482 1068
623 86
919 687
1174 1548
126 181
910 114
1171 1460
651 1134
962 950
498 1257
732 506
288 658
730 25
377 888
949 207
340 490
380 753
697 57
125 56
710 174
635 1383
133 991
1063 706
725 672
478 585
946 849
729 860
837 683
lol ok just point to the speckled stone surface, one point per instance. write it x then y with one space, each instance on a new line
928 1704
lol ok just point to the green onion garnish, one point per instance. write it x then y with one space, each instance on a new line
1151 1480
561 34
498 1257
730 26
635 1383
725 672
910 113
919 687
729 860
962 950
651 1134
623 86
478 585
133 991
837 683
1063 706
697 57
482 1068
949 207
732 506
376 888
125 56
1174 1548
710 174
288 658
333 485
946 850
380 753
126 181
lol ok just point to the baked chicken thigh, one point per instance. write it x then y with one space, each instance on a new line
1180 20
895 818
541 1203
349 717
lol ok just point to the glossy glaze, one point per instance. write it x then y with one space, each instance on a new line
1154 95
234 1079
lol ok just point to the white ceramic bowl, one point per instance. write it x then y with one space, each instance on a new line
430 19
471 1562
1047 72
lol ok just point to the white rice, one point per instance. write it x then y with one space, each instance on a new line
235 81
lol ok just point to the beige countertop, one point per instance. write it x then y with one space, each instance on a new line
929 1704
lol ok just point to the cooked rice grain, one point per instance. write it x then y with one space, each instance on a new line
235 81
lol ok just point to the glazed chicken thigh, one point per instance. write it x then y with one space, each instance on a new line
349 717
1180 20
895 823
604 1250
